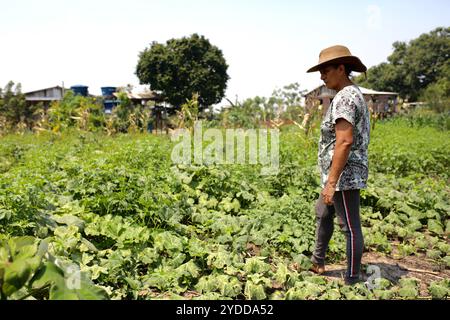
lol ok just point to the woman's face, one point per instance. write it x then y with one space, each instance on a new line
330 76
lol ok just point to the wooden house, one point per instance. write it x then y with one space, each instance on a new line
380 102
45 96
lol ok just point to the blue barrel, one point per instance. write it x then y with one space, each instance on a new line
109 105
80 90
108 91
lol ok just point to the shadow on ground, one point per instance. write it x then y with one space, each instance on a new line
391 272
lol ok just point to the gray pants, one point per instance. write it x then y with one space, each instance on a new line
346 207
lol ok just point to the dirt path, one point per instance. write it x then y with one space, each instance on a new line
418 267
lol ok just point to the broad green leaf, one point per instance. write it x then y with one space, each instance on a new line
5 214
331 294
444 247
133 283
23 241
383 294
406 249
231 288
433 254
303 261
433 214
435 227
26 252
408 292
383 284
206 284
443 207
281 273
219 259
438 290
87 291
4 255
60 292
148 256
189 269
87 246
256 265
15 276
254 291
446 260
313 289
414 225
49 273
421 243
70 220
19 243
408 282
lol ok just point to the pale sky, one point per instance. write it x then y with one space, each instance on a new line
267 44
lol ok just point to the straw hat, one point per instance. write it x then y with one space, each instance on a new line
337 55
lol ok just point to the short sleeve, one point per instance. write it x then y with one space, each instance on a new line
344 107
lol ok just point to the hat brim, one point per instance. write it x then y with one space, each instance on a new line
354 62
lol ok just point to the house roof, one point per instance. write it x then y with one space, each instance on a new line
43 89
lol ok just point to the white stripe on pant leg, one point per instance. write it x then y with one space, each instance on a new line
351 234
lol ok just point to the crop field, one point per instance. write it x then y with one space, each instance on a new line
88 216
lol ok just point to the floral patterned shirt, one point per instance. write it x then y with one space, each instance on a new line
348 104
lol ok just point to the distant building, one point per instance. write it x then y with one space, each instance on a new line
45 96
143 97
159 111
381 102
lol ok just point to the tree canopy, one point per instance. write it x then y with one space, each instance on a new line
13 107
184 67
413 66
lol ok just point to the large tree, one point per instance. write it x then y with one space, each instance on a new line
413 66
183 67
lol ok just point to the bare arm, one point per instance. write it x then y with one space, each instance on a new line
344 141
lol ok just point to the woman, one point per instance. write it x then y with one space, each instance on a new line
343 159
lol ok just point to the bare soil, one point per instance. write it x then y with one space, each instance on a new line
393 269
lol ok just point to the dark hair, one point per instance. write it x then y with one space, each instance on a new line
347 67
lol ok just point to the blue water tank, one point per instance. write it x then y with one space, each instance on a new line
80 90
108 91
108 107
